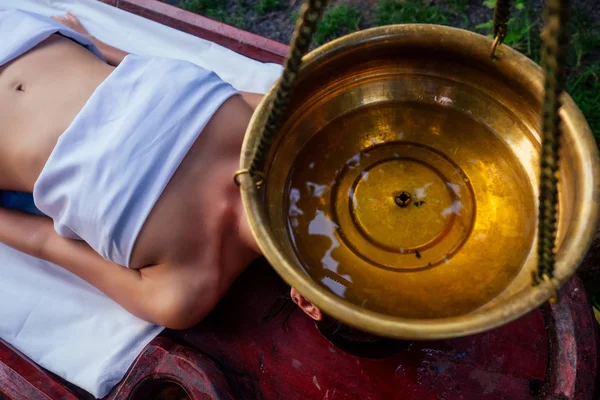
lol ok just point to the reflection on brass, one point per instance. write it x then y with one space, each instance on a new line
421 109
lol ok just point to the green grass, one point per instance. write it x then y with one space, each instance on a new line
294 17
266 6
583 83
421 12
584 87
215 9
201 6
523 30
409 12
583 59
584 38
337 21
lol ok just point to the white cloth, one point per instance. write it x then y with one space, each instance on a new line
115 159
22 30
55 318
141 36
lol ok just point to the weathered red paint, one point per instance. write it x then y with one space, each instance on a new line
246 43
573 362
236 354
182 365
20 379
265 361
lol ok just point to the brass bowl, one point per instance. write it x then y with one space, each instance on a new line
435 80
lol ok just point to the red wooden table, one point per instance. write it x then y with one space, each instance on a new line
550 353
236 353
240 41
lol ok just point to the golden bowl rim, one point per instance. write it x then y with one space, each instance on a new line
571 254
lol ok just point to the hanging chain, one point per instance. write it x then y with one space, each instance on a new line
306 26
553 58
501 16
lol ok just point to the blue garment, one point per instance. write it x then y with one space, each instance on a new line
19 201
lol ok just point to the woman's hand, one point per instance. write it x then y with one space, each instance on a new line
112 55
72 22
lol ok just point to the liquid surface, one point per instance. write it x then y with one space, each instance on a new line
410 209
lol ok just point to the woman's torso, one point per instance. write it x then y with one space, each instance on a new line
194 220
41 92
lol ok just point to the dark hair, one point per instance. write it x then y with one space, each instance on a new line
331 328
285 306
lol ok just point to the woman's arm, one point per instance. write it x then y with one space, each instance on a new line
112 55
253 99
172 296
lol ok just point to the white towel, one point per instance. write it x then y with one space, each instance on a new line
115 159
56 319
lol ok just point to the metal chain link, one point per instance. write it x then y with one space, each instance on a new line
501 16
310 14
554 48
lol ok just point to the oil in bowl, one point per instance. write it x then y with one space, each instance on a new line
410 209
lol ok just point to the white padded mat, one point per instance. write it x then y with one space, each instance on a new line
55 318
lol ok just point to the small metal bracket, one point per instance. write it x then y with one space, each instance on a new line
239 172
498 40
